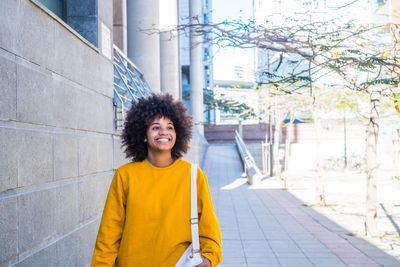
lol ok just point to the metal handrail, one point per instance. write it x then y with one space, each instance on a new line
254 175
126 58
129 85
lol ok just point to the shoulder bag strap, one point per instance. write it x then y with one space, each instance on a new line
194 220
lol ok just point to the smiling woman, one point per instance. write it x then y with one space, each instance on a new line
160 140
146 219
143 113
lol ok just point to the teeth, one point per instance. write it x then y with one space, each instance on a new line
162 139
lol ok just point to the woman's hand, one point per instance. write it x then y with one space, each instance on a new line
205 263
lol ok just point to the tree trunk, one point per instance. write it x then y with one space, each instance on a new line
277 164
287 149
269 158
396 155
345 139
319 184
371 228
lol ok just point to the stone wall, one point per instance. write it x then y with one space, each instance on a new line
198 149
58 147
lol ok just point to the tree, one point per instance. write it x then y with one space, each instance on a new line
276 106
223 103
352 52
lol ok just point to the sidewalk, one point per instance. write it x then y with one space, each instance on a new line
271 227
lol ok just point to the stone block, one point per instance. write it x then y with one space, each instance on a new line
92 195
36 212
8 228
87 151
34 94
68 250
87 240
67 208
9 13
44 257
65 156
35 165
8 85
9 148
35 40
99 73
105 153
95 112
86 114
106 123
90 111
65 104
119 155
69 60
101 114
104 186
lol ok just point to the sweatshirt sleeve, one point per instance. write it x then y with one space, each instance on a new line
111 226
209 231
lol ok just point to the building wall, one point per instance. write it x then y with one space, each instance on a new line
58 147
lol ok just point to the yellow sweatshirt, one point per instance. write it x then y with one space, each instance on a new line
146 217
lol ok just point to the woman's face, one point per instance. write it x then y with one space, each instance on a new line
161 135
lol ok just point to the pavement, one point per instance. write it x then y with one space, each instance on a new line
266 226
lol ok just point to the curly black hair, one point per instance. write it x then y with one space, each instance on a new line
143 112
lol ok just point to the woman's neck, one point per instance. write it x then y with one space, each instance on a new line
160 159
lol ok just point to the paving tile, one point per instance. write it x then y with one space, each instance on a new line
327 262
362 265
318 253
233 261
266 260
295 262
269 227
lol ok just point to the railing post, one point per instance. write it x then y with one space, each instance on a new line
254 175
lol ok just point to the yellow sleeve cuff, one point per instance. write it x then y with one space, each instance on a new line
212 258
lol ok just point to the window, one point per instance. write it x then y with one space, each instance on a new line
82 16
55 6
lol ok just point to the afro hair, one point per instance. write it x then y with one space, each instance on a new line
142 114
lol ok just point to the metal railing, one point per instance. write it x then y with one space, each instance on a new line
129 85
254 175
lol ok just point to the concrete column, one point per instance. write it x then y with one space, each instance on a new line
196 66
144 40
119 25
169 48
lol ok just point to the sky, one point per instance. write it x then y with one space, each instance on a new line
226 58
232 9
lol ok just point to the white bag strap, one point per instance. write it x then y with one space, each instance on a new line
194 220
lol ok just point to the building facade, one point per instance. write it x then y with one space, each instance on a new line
58 144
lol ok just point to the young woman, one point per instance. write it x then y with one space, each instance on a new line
146 218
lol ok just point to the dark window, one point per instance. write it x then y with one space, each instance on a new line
82 16
55 6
